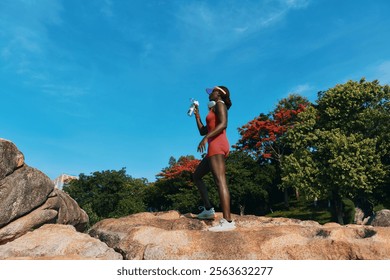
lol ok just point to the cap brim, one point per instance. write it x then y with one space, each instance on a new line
209 90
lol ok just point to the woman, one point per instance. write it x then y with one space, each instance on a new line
218 149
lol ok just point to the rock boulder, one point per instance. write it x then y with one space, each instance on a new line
165 236
10 158
57 242
381 218
22 191
38 221
28 198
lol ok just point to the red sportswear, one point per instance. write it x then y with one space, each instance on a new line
217 145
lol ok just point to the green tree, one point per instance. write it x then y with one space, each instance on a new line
336 144
362 107
249 183
108 194
174 188
264 137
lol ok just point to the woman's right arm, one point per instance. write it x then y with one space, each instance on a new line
202 129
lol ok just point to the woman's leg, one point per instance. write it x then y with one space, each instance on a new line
217 166
202 169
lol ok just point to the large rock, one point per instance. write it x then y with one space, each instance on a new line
361 218
29 208
22 191
32 211
381 218
69 212
154 236
10 158
57 242
28 198
59 208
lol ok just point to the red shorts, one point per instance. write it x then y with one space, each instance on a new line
218 145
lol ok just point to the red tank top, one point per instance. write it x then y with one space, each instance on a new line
218 144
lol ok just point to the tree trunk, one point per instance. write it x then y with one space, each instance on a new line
242 210
286 200
297 194
338 208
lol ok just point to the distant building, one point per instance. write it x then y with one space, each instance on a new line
61 180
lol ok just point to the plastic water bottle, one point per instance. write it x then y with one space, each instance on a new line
192 106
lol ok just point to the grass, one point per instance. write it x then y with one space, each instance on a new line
302 210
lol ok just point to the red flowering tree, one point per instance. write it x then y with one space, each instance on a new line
184 167
174 187
263 136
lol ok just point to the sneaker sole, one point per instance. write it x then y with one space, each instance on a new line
221 230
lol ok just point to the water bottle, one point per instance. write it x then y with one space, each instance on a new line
192 106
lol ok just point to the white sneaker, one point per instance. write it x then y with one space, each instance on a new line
223 225
206 214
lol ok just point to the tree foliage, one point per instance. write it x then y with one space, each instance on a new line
336 145
336 149
108 194
249 183
184 167
174 188
263 136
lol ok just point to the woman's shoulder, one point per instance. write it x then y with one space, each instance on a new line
220 106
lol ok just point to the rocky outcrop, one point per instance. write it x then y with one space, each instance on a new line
38 221
22 191
156 236
10 158
381 218
362 218
57 242
58 208
28 198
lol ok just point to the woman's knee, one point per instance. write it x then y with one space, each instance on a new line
197 176
202 169
220 180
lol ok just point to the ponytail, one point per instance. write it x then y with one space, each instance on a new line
226 97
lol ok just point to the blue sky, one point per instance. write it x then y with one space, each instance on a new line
95 85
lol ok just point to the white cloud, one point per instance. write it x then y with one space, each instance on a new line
241 29
65 91
301 88
383 72
67 99
24 32
106 8
26 48
304 90
147 49
220 26
297 4
378 71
